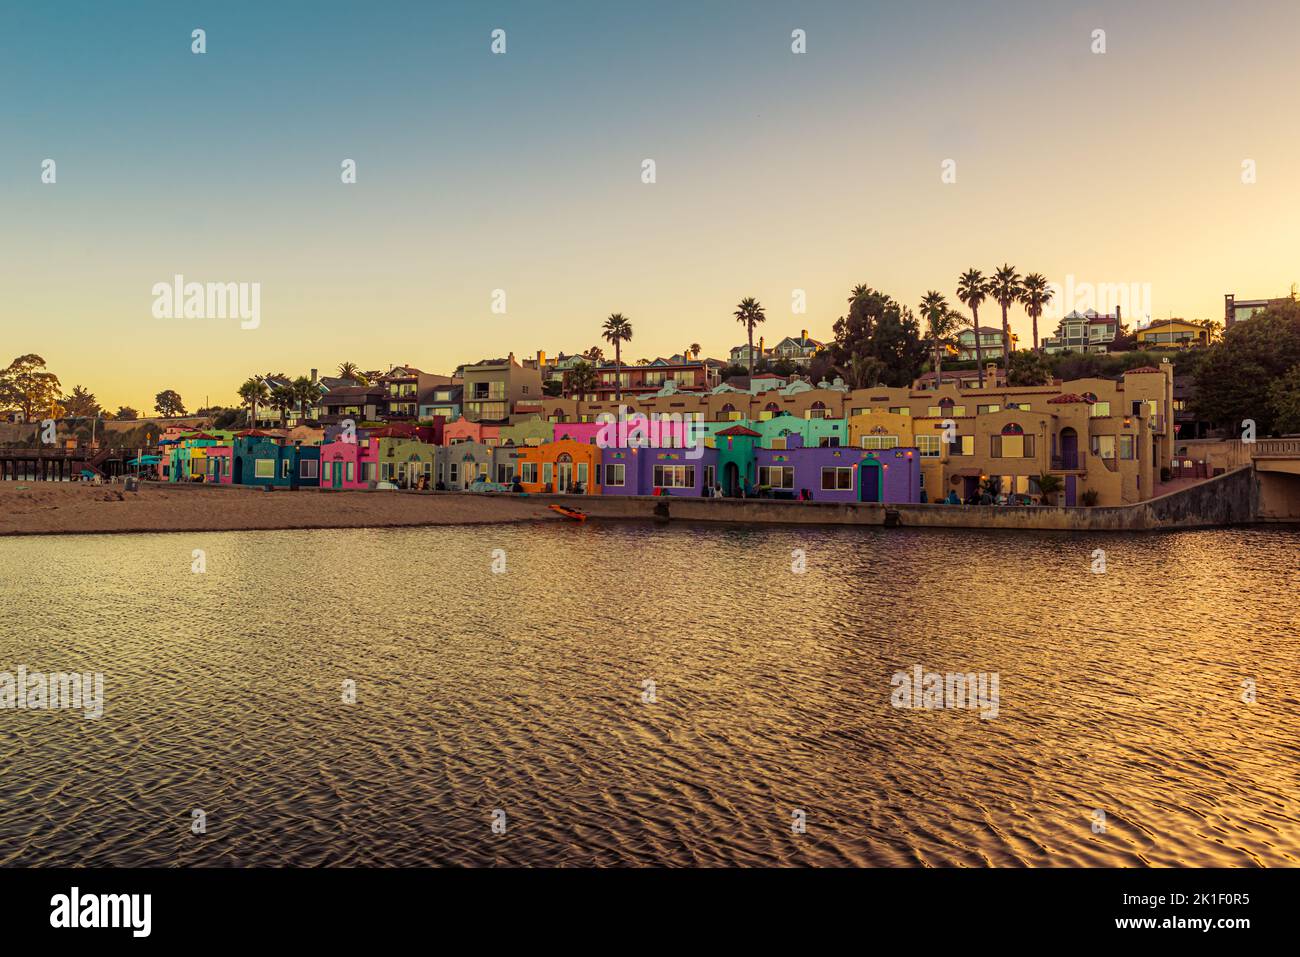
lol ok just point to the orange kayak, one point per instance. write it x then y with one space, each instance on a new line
573 513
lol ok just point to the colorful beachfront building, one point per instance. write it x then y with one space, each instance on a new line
656 471
406 463
262 459
533 430
349 465
465 430
461 464
839 473
185 457
564 466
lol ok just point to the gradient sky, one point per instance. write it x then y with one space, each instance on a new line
475 172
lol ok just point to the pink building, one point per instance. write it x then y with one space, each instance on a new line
463 430
349 465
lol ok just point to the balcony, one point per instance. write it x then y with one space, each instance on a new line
1070 462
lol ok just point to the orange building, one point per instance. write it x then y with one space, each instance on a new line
561 466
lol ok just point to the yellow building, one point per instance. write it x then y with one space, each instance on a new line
1172 334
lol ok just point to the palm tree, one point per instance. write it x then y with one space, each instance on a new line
305 392
695 350
580 379
283 398
594 354
940 322
1035 294
350 370
749 314
617 330
973 289
252 392
1004 287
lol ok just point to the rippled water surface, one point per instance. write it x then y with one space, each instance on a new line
523 691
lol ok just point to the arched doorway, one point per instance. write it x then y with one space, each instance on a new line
1069 448
564 472
731 480
869 479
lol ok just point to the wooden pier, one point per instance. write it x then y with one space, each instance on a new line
64 465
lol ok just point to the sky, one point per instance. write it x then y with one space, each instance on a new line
523 171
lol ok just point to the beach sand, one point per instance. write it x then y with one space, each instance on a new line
46 508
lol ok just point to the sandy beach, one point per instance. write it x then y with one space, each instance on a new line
52 508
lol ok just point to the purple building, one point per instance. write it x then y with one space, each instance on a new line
640 471
839 474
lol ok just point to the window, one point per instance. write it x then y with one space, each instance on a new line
818 411
1126 446
981 409
1103 446
829 442
505 473
1100 410
548 472
901 410
1012 446
386 472
934 410
615 474
286 468
264 468
837 478
929 446
307 468
776 476
454 473
367 471
350 474
880 441
965 445
528 472
582 473
674 476
708 476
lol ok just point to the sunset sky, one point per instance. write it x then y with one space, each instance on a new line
775 171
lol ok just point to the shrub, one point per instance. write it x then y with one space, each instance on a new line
1089 497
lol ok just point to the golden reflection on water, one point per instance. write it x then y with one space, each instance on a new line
526 692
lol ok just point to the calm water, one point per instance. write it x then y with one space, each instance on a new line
523 692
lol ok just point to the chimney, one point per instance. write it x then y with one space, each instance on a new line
760 345
1118 318
541 360
803 334
313 376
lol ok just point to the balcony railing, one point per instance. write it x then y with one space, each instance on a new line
1070 462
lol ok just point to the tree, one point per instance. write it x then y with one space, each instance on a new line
125 413
168 403
350 370
749 313
1234 377
27 387
81 404
305 396
973 289
617 330
580 379
695 350
1028 368
1049 485
594 354
252 392
283 398
878 328
1004 287
939 326
1284 401
1035 293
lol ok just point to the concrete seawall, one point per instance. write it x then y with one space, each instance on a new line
1229 499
